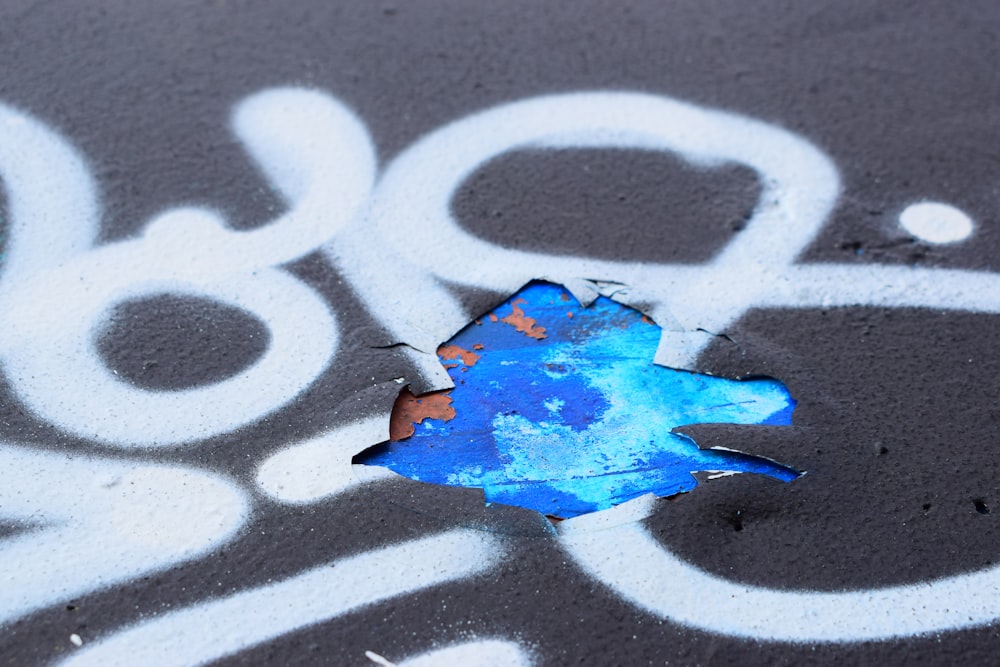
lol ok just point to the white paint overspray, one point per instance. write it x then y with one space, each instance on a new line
475 653
221 627
90 523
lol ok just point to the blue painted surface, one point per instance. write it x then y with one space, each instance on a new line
580 420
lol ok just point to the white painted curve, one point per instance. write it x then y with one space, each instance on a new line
216 628
52 206
92 522
319 468
475 653
411 205
57 293
67 383
624 556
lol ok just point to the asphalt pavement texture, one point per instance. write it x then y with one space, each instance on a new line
897 416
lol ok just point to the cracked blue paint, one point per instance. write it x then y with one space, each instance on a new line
579 420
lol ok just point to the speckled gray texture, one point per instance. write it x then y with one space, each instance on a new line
897 421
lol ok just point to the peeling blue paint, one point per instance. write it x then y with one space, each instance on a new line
579 420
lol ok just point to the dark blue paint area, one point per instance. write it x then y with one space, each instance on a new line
580 420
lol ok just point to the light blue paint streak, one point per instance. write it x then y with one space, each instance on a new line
581 420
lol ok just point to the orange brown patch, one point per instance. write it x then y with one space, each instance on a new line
522 322
455 352
409 410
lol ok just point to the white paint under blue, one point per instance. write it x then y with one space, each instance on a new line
580 420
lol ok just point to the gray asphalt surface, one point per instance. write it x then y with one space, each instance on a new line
897 418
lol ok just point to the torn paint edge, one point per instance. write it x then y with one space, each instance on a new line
322 467
677 341
592 289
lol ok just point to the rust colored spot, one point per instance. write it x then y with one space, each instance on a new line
409 410
455 352
646 319
522 322
478 322
569 314
564 297
478 346
554 520
493 318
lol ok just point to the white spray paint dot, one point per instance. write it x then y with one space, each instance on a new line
936 223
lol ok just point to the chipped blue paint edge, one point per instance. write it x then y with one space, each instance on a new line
580 420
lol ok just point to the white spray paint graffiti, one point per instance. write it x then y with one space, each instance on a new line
477 653
57 289
756 269
92 522
330 590
57 293
626 557
800 187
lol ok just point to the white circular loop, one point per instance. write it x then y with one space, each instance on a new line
411 208
65 381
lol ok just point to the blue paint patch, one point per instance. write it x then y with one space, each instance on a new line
577 419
